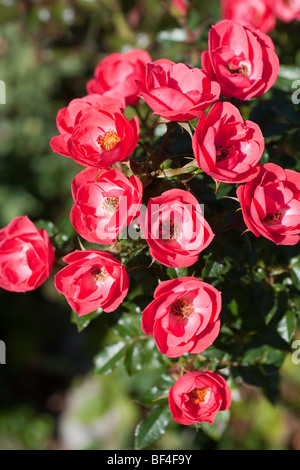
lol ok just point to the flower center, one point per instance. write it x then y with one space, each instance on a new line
199 396
222 153
181 309
111 204
108 140
272 219
168 230
99 274
241 68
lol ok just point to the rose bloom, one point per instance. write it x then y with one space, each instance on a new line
105 203
116 75
256 13
67 118
287 10
102 137
197 397
225 146
93 279
26 256
175 229
242 59
177 92
271 204
183 317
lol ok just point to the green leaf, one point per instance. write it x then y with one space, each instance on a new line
152 427
216 430
48 226
175 273
84 320
128 327
134 358
295 272
111 356
212 269
287 325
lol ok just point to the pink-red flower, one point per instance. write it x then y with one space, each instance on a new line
102 137
197 397
26 256
68 117
175 229
256 13
183 317
242 59
93 279
226 146
177 92
105 203
271 204
117 73
287 10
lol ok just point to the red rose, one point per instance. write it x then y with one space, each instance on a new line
67 118
102 137
175 228
287 10
92 279
183 317
225 146
271 204
105 203
197 397
26 256
116 75
176 91
242 59
256 13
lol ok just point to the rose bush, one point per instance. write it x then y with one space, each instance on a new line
175 229
93 279
227 147
183 317
197 397
105 203
241 59
26 256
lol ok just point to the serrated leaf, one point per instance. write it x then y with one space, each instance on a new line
175 273
212 269
287 325
152 427
111 356
154 396
128 327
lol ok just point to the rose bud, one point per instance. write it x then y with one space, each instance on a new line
177 92
175 229
117 73
105 203
225 146
183 317
26 256
93 279
271 204
197 397
242 59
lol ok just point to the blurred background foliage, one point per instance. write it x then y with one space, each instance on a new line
50 397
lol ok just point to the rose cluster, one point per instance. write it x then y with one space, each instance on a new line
184 316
